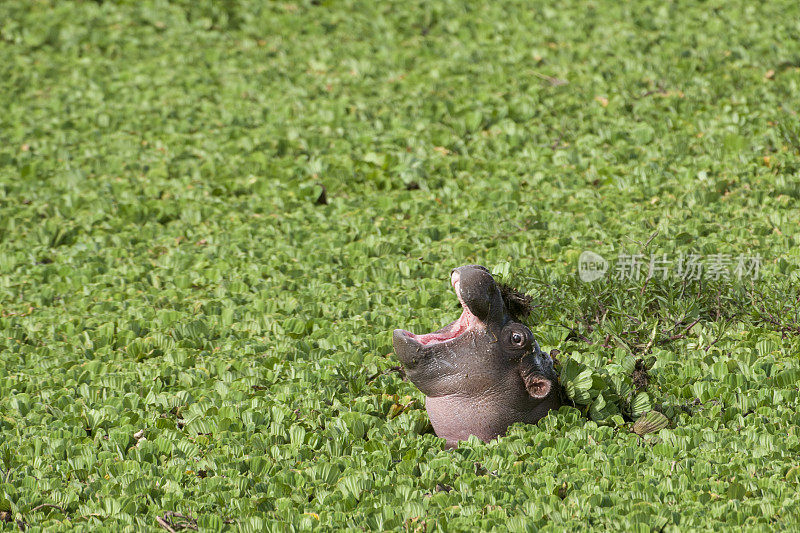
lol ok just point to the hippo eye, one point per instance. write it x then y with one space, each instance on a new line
516 337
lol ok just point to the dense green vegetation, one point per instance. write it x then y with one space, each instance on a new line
187 327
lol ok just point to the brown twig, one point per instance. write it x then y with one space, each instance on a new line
187 522
557 142
550 79
48 505
675 325
644 285
605 342
649 240
685 331
573 331
163 523
707 348
633 318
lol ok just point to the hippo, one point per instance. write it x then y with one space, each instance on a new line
483 372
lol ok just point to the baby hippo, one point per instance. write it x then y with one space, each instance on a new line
483 372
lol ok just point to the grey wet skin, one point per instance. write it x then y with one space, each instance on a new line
482 372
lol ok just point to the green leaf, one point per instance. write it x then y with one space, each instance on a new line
640 404
650 422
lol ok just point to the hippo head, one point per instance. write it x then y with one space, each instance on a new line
483 372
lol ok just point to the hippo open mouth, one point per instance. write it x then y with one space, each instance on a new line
452 330
448 333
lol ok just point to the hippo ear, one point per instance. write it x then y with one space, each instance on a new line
536 384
